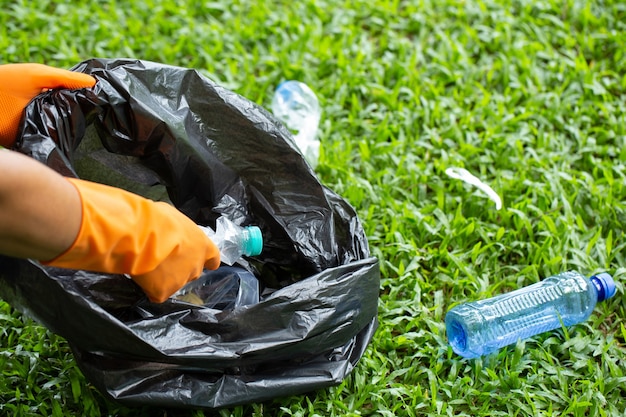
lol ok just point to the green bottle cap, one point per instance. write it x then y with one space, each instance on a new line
253 241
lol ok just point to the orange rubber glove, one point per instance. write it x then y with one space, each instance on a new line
20 83
123 233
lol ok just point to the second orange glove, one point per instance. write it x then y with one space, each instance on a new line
154 243
20 83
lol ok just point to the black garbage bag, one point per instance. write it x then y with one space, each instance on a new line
170 134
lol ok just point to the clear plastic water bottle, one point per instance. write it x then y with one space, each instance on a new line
234 241
225 288
482 327
296 105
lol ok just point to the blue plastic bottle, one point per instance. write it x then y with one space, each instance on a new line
482 327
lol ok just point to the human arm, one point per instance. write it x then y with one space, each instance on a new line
77 224
27 189
40 211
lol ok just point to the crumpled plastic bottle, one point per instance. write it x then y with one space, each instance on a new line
234 241
297 106
229 286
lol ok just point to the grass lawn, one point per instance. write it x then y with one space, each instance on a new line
528 96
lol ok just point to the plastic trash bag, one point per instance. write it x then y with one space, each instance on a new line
170 134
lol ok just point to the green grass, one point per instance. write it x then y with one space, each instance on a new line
528 96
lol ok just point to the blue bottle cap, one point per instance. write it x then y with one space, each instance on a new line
253 241
605 285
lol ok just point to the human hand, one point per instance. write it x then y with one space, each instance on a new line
123 233
20 83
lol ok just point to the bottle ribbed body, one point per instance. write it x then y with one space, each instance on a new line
484 326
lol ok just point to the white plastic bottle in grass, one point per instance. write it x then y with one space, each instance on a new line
296 105
234 241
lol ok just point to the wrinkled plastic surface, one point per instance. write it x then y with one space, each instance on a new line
169 133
